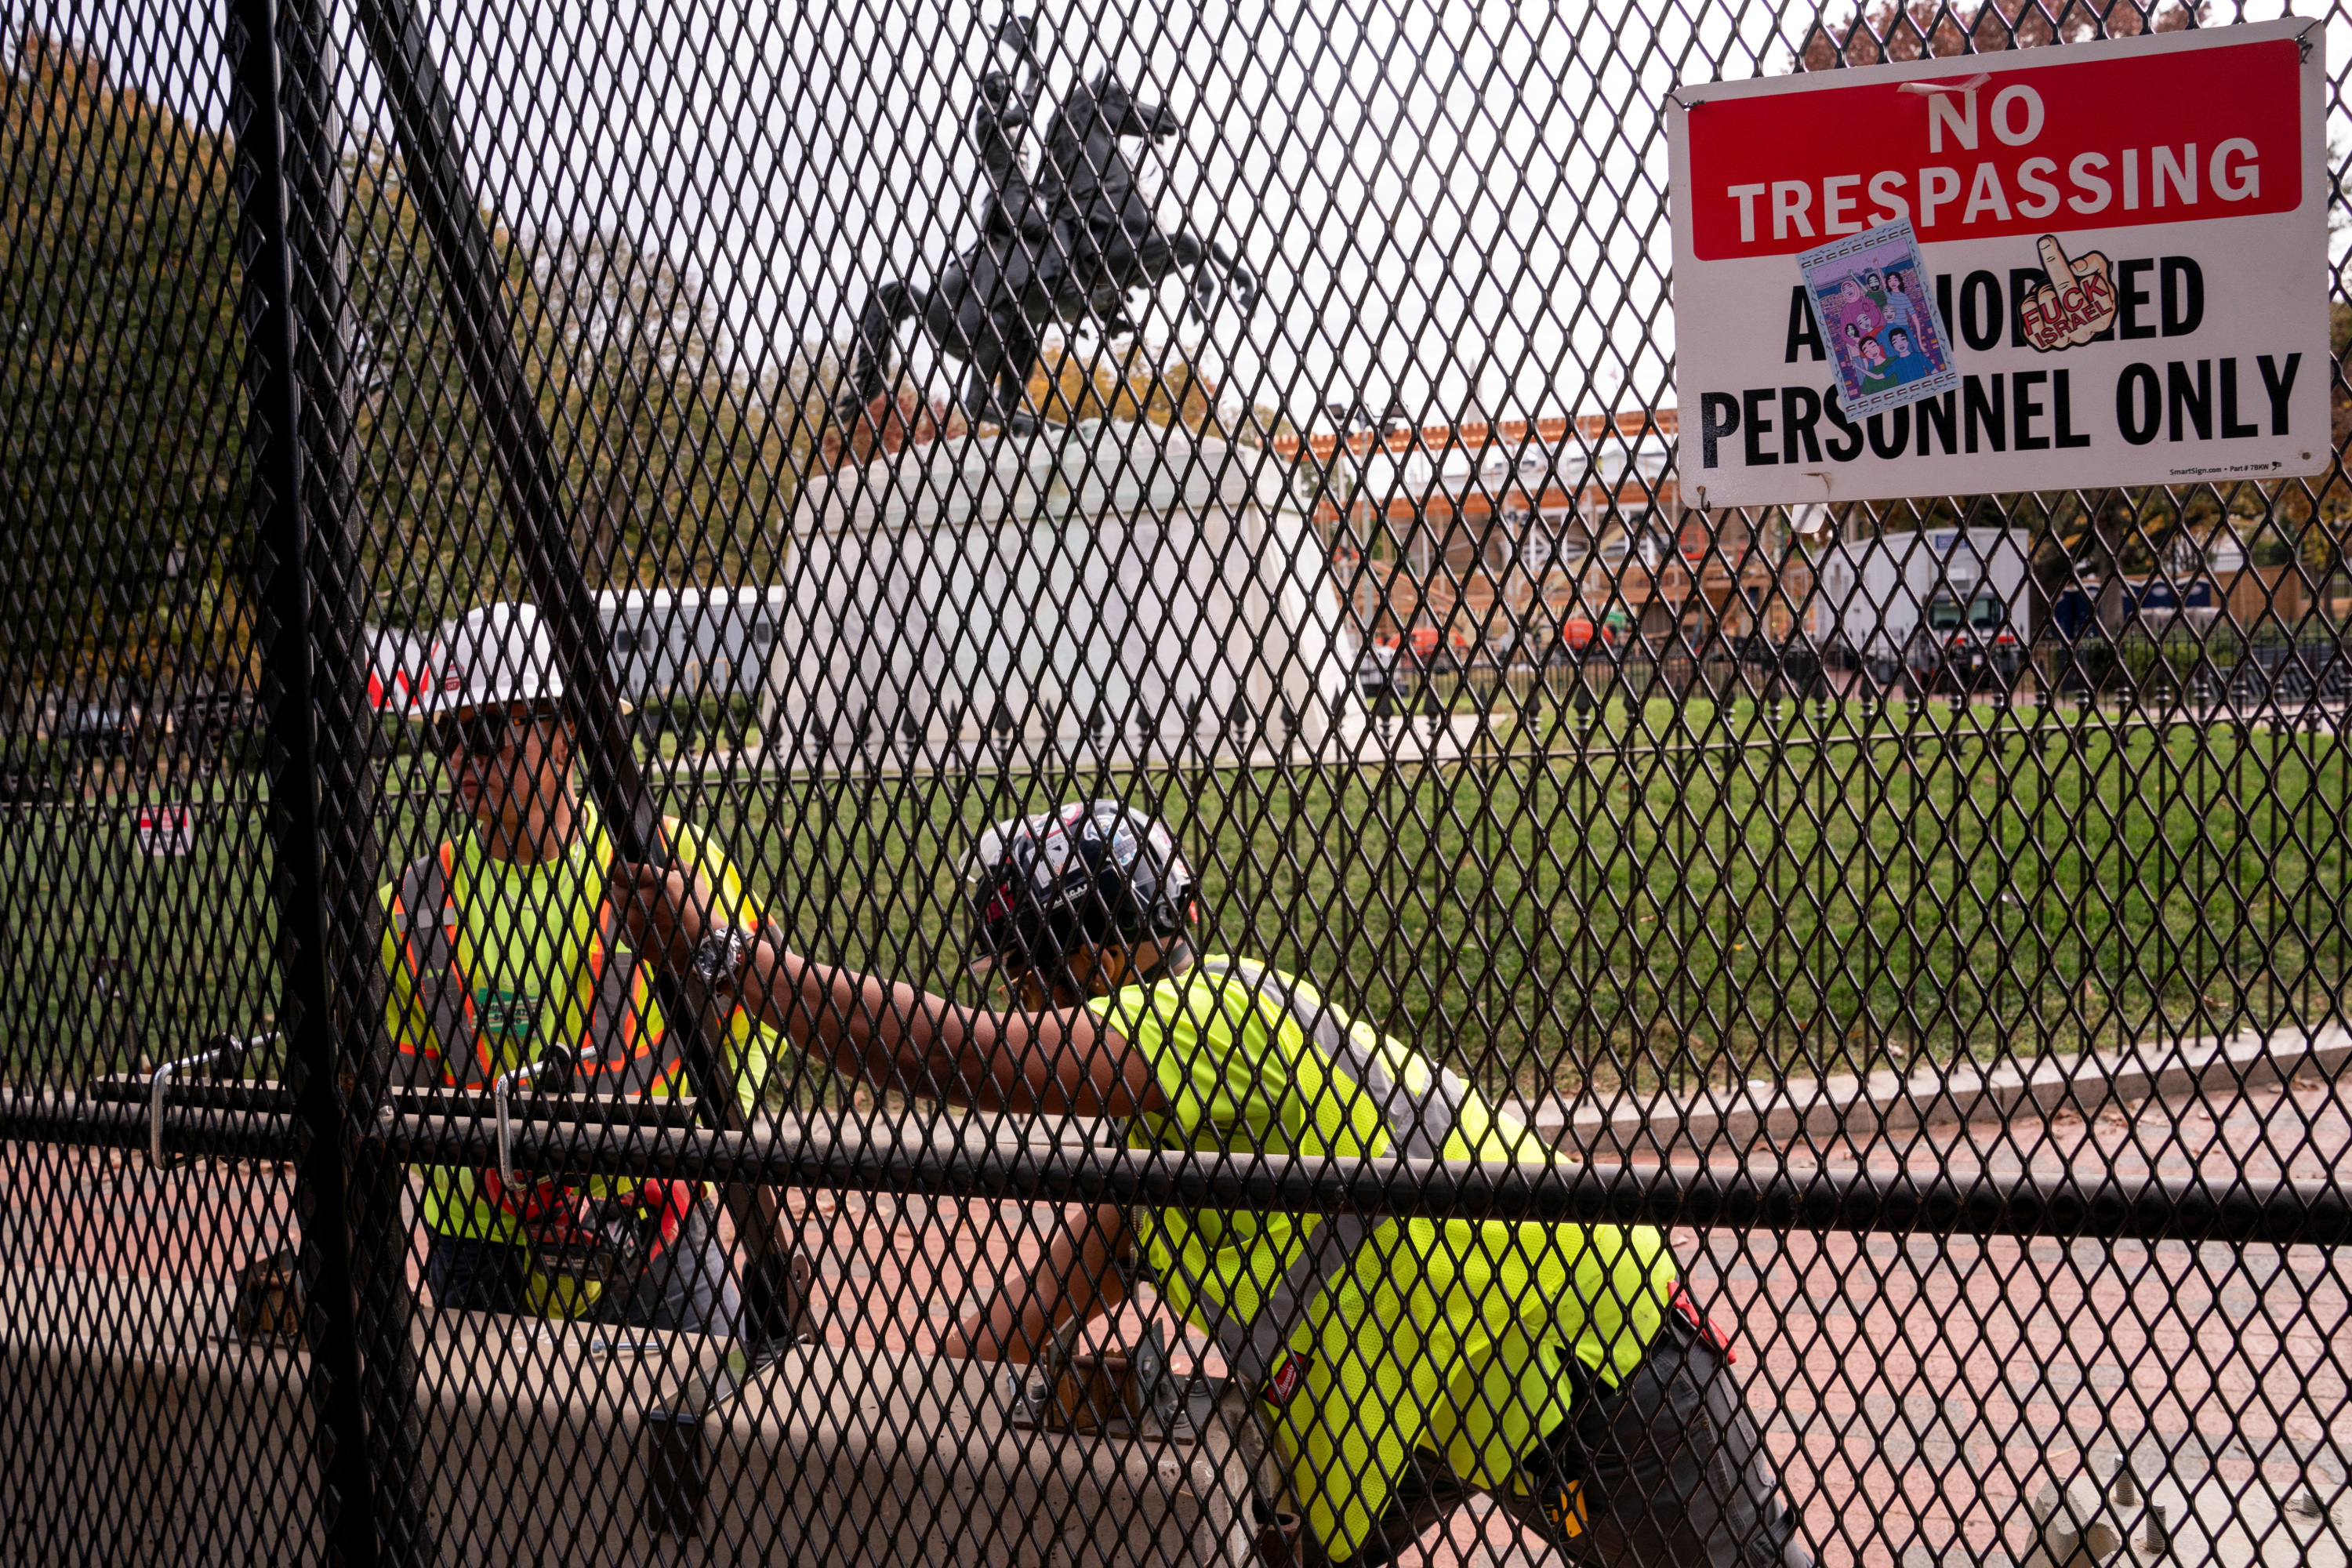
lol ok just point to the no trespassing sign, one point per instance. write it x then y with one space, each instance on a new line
2125 245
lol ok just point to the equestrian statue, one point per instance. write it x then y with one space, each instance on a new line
1066 246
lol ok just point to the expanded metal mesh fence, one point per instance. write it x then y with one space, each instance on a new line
566 567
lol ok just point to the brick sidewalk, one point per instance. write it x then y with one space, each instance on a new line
1912 1390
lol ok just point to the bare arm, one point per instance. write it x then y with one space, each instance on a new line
1062 1063
1077 1278
896 1036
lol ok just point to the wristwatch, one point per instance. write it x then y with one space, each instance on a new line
720 957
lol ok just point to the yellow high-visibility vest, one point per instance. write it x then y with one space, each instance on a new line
1368 1338
470 943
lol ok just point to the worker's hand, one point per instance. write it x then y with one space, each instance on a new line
667 912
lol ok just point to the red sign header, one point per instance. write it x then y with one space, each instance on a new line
2172 137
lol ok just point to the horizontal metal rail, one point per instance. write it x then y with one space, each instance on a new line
2279 1213
223 1134
2282 1213
1894 728
1895 724
276 1099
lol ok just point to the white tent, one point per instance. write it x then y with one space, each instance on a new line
1101 589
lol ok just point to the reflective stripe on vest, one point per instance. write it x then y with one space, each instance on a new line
425 917
1419 1121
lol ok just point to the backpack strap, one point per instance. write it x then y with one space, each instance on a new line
1419 1118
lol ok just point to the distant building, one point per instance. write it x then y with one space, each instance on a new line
1503 535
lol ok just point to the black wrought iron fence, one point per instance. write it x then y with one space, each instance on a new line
566 567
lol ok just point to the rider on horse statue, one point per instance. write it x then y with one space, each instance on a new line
1066 247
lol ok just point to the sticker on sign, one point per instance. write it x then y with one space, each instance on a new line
2123 247
1870 308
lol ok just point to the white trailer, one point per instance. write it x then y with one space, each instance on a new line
691 642
1874 592
694 642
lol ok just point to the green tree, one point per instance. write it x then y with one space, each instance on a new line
122 412
672 471
679 472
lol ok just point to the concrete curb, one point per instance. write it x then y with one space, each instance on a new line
1852 1107
535 1449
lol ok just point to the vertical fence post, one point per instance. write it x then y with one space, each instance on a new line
472 285
360 1378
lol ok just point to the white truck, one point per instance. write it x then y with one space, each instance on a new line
1936 608
693 642
711 642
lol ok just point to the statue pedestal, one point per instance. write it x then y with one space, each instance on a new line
1121 592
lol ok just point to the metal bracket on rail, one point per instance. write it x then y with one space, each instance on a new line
558 1062
1130 1392
1127 1393
229 1052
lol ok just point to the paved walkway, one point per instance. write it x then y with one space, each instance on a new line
1913 1391
1917 1392
1920 1390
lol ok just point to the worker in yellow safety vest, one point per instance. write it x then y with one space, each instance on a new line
504 949
1400 1367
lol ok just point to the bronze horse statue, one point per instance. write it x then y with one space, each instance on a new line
1066 247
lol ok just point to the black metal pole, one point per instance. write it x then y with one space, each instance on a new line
1991 1203
472 290
360 1378
317 240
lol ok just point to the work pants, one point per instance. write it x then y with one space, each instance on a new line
1663 1471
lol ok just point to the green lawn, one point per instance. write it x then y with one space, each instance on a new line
1659 897
1695 892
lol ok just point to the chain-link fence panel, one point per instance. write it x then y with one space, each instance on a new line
911 786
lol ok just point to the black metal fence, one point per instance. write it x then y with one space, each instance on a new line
1948 1002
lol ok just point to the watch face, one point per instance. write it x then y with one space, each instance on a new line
710 958
718 958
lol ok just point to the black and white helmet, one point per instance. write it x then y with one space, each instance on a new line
1090 874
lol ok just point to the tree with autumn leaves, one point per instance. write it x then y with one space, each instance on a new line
677 473
123 410
1132 381
1893 31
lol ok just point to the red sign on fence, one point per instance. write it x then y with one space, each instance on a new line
2125 245
1974 155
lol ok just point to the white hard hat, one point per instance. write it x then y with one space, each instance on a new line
493 656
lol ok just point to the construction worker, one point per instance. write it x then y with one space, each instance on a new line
1401 1366
501 947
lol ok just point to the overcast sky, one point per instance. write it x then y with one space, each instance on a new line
1462 206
